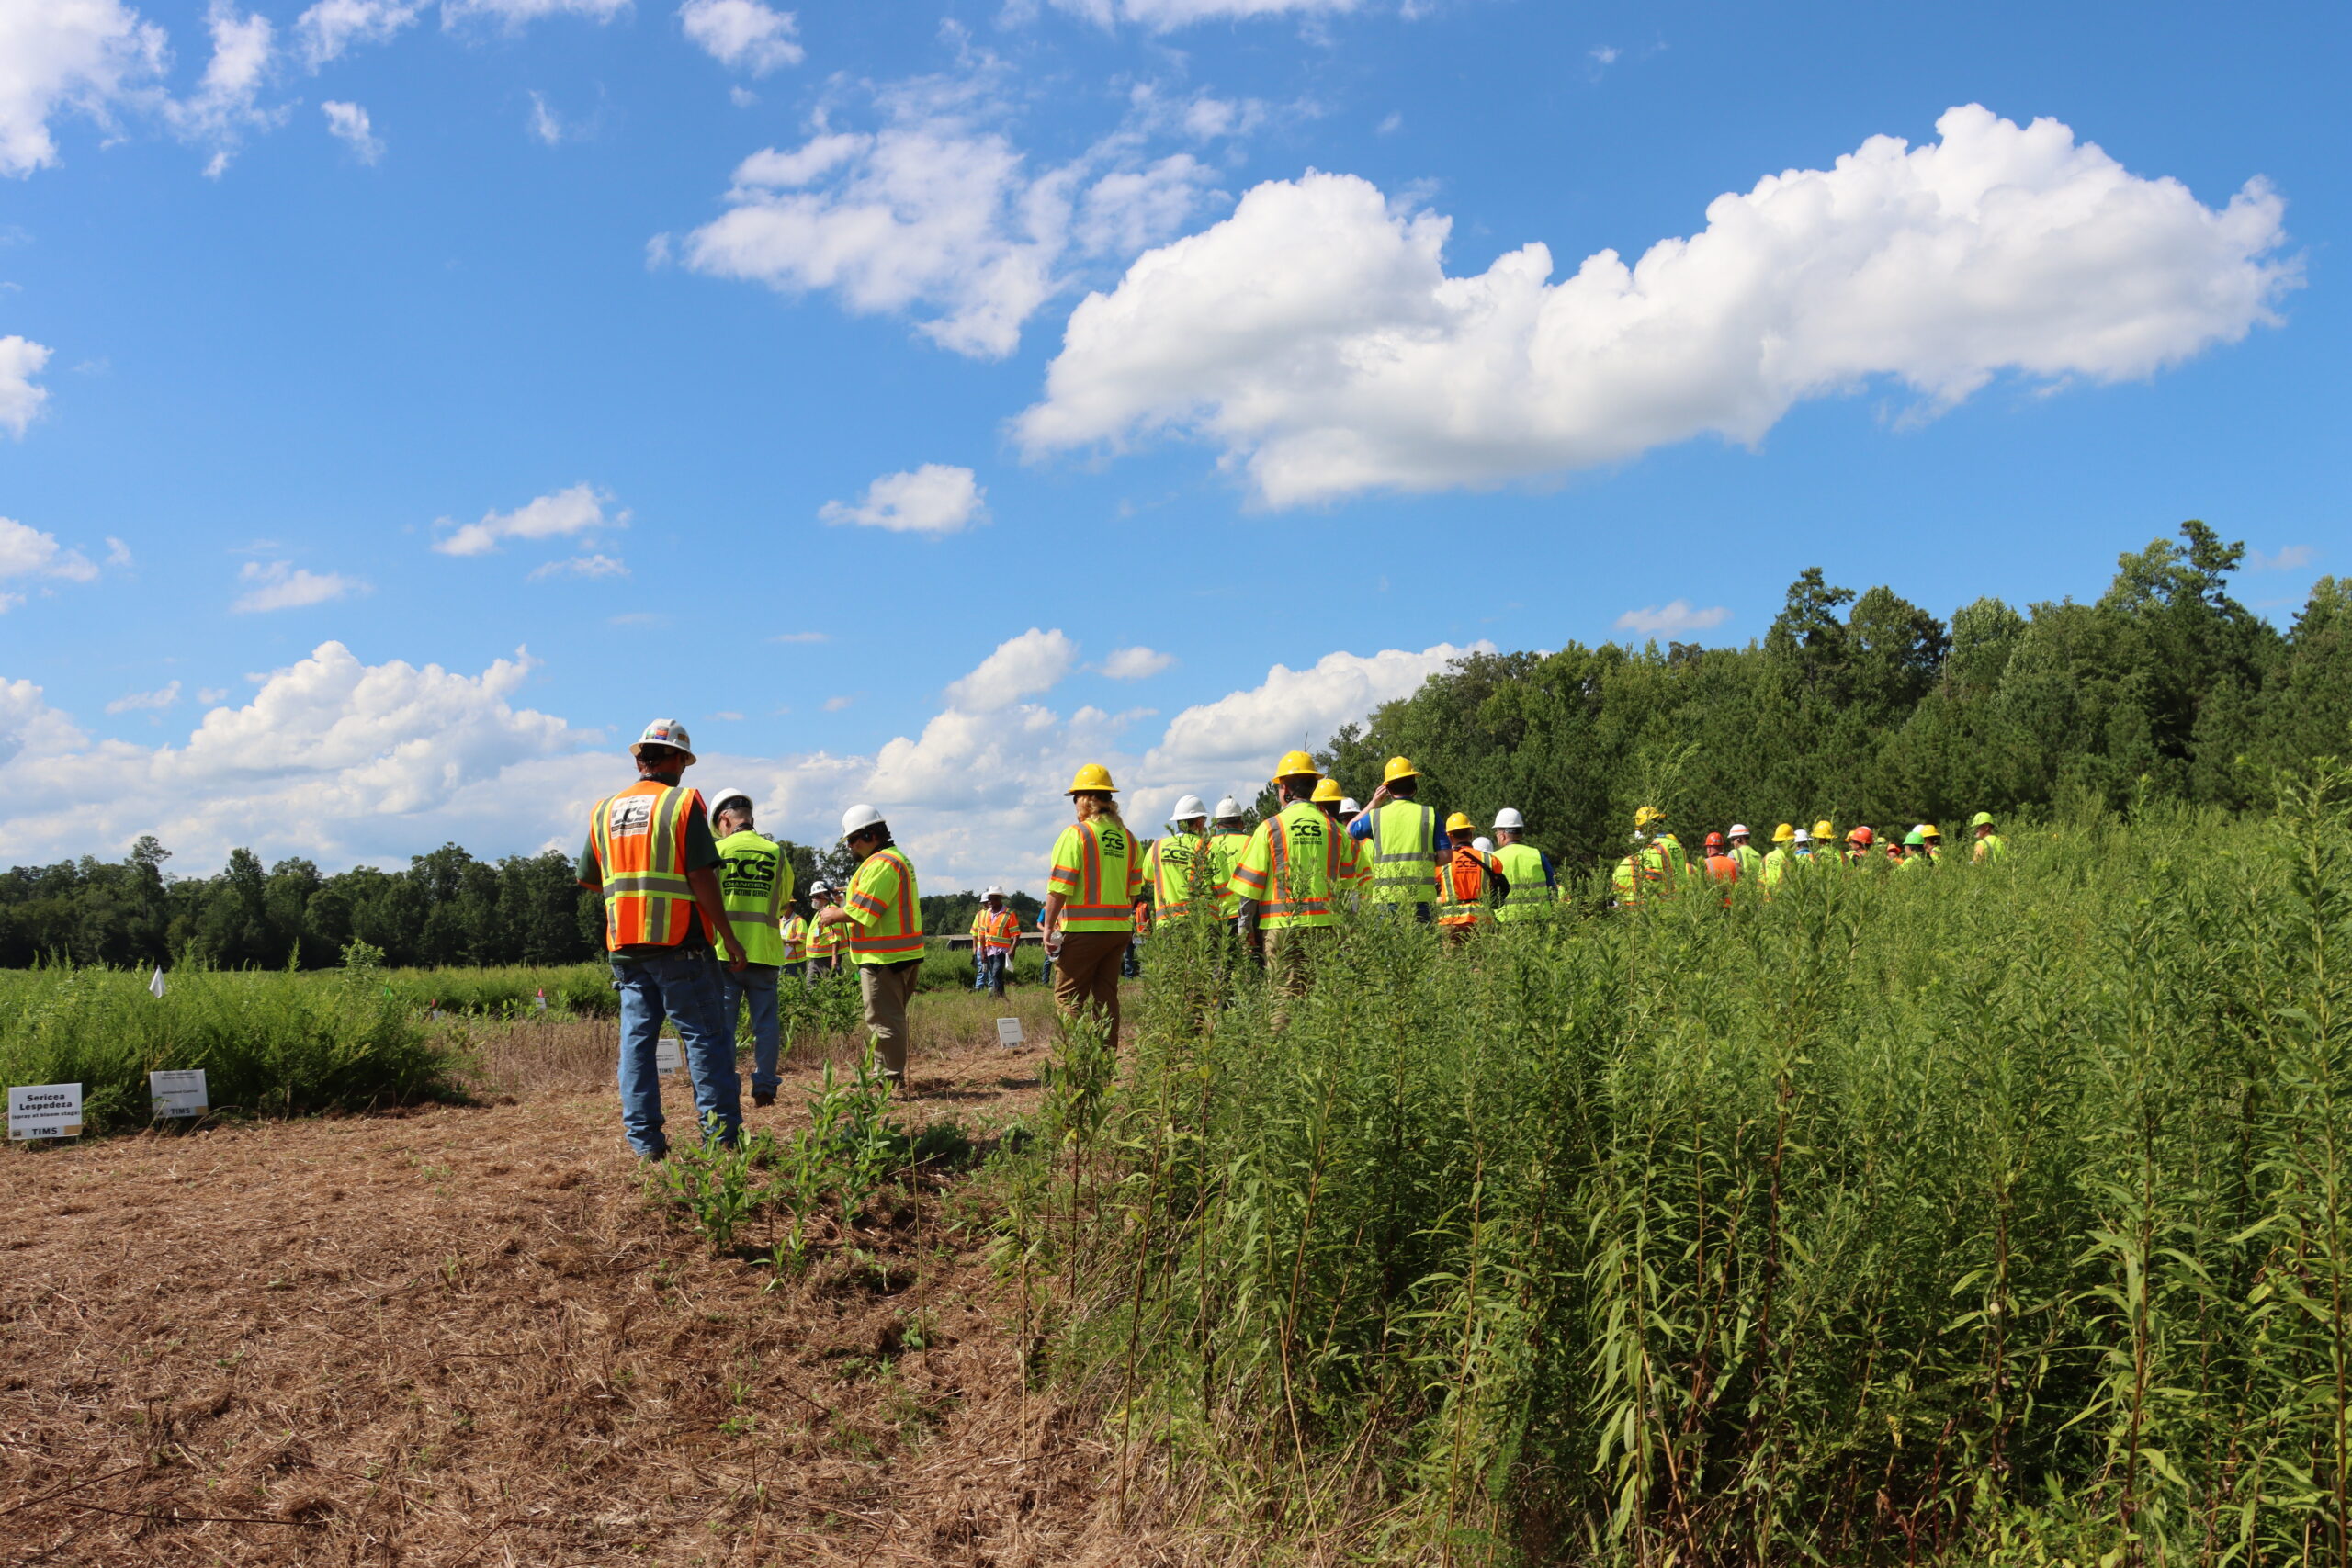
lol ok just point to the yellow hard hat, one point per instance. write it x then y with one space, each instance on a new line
1783 833
1645 816
1329 790
1824 828
1982 820
1929 831
1460 823
1398 768
1296 765
1092 779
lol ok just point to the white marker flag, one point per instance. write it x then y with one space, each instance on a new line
177 1093
45 1111
156 983
1008 1032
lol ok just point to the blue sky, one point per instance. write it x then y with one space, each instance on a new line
402 403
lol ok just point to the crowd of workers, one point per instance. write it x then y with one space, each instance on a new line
680 879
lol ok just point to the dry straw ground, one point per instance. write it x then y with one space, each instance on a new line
462 1335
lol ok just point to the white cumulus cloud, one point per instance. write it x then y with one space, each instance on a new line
1677 616
26 551
933 499
330 27
333 758
1022 666
20 360
81 56
282 585
939 216
515 13
2289 557
1165 15
1222 740
580 508
348 124
1316 336
227 100
136 702
1137 663
743 34
582 566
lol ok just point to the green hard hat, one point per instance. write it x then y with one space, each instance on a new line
1982 820
1914 837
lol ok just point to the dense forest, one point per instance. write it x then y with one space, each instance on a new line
1858 707
1868 709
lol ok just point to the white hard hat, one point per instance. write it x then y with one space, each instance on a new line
859 816
1484 846
719 799
820 886
1350 806
1804 836
1508 816
994 891
1226 807
1739 829
1187 807
664 732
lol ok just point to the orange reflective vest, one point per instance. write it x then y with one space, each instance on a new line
640 835
887 928
1462 887
1097 874
995 931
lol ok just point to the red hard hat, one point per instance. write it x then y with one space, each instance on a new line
1714 841
1862 836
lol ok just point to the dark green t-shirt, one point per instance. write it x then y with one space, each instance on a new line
702 851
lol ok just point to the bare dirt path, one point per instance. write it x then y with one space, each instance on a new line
463 1336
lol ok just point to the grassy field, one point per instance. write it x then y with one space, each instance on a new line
1985 1215
277 1043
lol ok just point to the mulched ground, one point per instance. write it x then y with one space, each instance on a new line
462 1335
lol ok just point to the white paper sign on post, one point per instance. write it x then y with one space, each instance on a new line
1008 1032
665 1055
45 1111
177 1093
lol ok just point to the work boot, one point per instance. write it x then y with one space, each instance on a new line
763 1096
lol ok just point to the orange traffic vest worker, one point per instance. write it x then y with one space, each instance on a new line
1290 877
1465 880
881 923
651 854
1091 901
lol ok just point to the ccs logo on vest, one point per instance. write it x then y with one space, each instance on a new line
631 816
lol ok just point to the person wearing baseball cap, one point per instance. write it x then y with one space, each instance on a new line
651 856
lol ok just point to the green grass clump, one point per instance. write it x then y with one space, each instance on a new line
582 991
269 1042
1970 1213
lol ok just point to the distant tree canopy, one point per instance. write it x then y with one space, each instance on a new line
1866 708
1858 707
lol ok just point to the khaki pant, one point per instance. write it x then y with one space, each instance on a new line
1290 961
884 988
1086 975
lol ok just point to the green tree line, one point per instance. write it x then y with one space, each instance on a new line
1865 708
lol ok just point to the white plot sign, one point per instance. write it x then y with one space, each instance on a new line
665 1054
45 1111
1008 1032
179 1093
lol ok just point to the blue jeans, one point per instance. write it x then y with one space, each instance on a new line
991 968
756 985
683 989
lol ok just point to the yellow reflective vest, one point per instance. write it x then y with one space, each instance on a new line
1405 841
1294 868
755 888
1098 871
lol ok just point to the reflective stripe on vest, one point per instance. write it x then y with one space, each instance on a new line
754 887
1404 853
794 934
1094 891
1181 866
1226 851
639 837
995 927
1531 893
1294 889
1461 888
897 930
